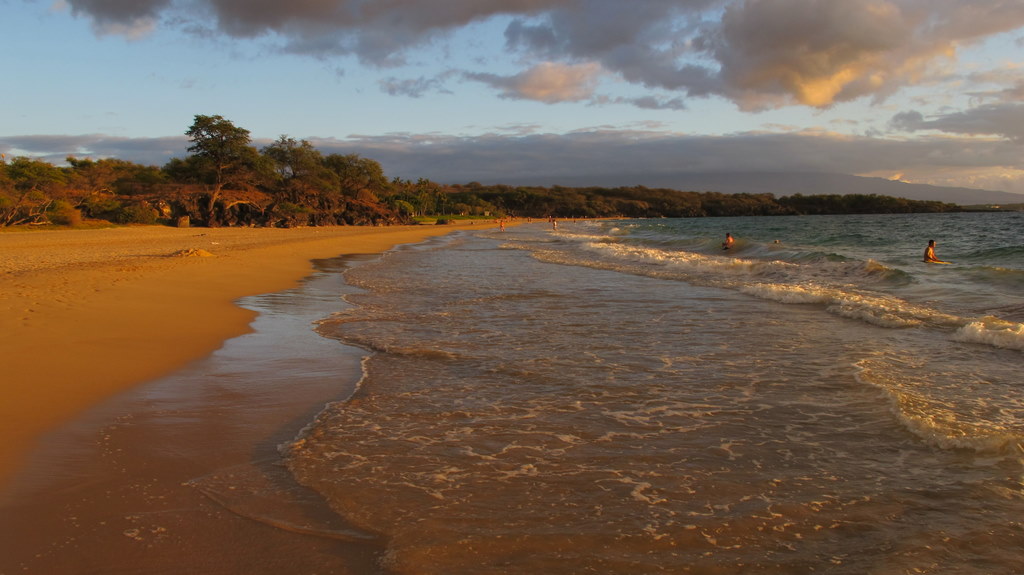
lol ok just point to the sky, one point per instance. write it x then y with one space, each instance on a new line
923 91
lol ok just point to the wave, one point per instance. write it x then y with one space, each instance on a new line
993 331
832 282
879 310
1002 253
844 286
334 327
918 408
1003 277
265 491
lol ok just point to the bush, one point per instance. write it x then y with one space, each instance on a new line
290 209
62 213
136 214
103 207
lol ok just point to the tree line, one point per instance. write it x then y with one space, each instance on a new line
226 181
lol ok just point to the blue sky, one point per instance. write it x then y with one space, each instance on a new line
928 91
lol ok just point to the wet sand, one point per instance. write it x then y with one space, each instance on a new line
179 475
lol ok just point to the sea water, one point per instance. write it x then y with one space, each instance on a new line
628 397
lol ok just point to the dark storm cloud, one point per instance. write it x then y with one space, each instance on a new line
758 53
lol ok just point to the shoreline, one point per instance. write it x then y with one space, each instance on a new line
86 314
183 473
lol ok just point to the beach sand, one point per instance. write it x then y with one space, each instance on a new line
104 472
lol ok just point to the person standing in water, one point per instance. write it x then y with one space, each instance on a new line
729 241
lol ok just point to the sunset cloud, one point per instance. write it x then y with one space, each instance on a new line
760 54
546 82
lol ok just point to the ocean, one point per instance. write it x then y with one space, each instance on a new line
628 397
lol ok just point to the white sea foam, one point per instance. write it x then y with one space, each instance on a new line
877 310
795 284
790 293
874 315
992 331
934 431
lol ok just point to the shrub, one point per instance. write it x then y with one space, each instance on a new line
136 214
102 207
62 213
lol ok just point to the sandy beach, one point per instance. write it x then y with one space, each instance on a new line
87 313
87 451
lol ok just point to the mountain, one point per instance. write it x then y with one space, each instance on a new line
782 184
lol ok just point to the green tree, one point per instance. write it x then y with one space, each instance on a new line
88 176
34 185
357 174
224 154
298 168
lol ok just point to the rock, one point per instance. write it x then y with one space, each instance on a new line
193 253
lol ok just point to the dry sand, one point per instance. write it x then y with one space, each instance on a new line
85 314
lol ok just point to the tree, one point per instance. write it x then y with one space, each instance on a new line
224 153
87 176
356 173
32 187
299 167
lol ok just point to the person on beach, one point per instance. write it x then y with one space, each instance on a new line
729 241
929 254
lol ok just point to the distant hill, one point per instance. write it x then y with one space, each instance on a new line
782 184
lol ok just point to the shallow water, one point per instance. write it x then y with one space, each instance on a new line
625 397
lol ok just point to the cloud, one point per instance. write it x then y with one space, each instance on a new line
55 149
758 53
377 32
818 52
814 52
546 82
1005 120
1009 82
652 103
127 18
643 154
413 87
599 153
